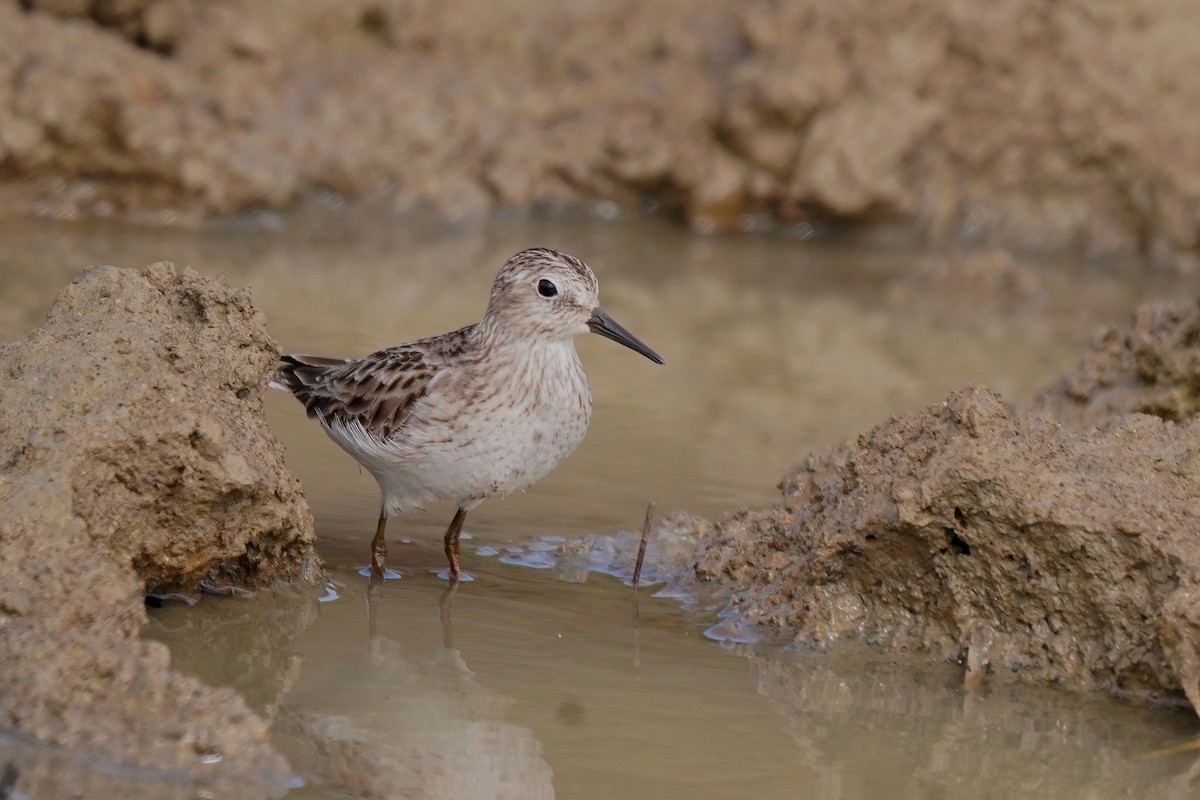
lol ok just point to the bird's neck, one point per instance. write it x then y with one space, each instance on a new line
495 332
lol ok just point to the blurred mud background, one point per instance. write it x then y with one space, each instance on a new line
1032 124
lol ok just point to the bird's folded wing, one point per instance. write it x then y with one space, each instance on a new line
377 391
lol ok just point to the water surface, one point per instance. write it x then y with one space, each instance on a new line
525 684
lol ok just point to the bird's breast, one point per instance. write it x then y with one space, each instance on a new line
501 430
537 415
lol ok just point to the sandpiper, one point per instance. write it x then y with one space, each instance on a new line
480 412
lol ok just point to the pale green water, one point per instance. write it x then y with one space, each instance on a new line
540 687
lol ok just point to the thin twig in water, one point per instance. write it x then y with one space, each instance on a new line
641 556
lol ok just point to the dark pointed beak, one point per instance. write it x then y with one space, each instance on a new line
608 327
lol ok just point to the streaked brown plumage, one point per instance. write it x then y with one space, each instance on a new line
475 413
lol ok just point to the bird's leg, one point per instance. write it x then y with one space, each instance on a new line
379 546
452 543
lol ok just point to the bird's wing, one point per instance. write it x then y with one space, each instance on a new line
377 391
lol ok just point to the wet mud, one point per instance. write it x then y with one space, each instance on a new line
1062 126
984 533
135 461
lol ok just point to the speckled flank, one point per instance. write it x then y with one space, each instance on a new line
476 413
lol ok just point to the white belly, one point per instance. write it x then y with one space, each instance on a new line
508 434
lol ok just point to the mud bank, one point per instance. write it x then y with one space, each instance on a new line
1045 126
134 458
1022 547
1153 367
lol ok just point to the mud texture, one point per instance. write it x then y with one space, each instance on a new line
1014 544
1153 367
1061 125
134 458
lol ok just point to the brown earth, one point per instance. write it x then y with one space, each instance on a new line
1151 368
1051 543
134 458
1061 125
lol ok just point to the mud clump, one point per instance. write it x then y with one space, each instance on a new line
134 458
1044 126
1151 368
1016 545
145 390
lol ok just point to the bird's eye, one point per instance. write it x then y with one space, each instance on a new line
547 288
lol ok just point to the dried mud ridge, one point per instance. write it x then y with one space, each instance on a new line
1054 543
134 458
1041 125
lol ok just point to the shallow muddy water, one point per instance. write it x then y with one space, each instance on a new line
536 683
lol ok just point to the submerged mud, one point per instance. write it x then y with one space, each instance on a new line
134 458
1048 126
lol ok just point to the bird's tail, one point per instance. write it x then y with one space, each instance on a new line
299 374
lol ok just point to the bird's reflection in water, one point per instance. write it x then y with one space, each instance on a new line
445 610
410 726
374 590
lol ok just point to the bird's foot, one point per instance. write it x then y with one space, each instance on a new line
462 577
384 573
